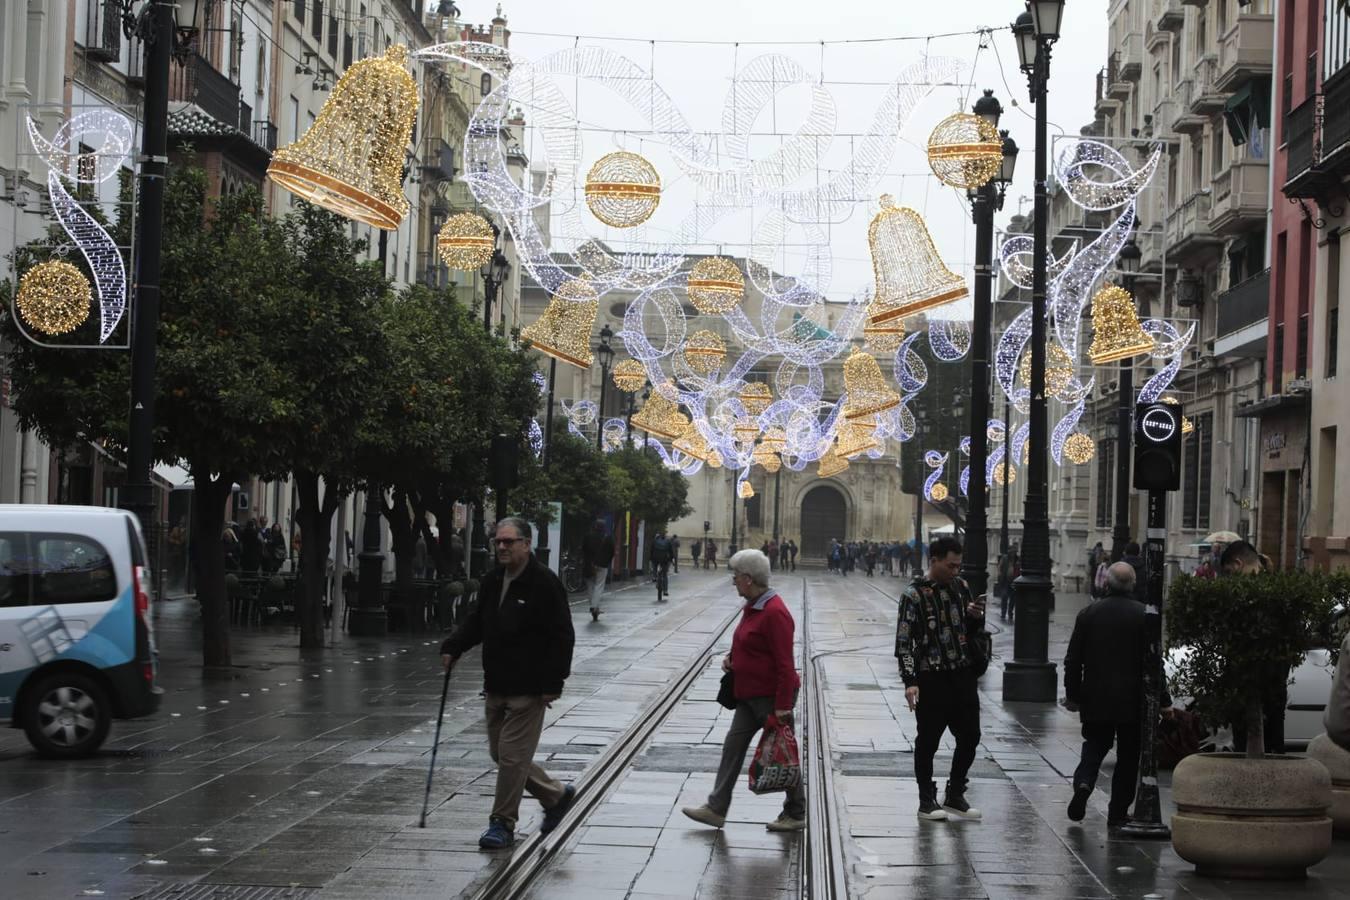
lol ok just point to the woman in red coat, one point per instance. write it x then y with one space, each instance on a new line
765 682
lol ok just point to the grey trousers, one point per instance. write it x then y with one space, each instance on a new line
747 722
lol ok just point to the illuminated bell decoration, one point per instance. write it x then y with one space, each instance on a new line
767 459
661 418
623 189
564 330
350 161
704 351
865 425
884 338
938 493
1058 370
629 376
831 463
714 459
775 439
910 276
466 242
868 393
755 397
853 441
692 443
1079 448
1004 475
715 285
54 297
965 151
1116 334
745 430
746 490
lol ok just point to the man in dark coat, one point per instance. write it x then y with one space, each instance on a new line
1104 677
1136 561
525 626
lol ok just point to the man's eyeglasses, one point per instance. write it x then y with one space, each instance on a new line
506 542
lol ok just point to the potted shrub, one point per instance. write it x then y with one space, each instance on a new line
1252 815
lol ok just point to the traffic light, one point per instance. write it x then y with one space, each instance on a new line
1157 446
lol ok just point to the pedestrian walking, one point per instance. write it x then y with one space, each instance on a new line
710 555
675 553
696 550
597 555
525 626
1136 561
662 554
932 642
765 681
1104 677
792 554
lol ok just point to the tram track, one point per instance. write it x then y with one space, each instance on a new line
824 874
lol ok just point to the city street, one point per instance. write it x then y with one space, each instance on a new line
304 776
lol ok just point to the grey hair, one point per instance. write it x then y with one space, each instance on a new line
753 563
520 525
1120 578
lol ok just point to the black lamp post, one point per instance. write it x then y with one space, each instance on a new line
1003 545
605 353
494 273
164 36
1129 257
985 201
1030 675
625 570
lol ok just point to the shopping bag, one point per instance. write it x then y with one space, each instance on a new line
777 764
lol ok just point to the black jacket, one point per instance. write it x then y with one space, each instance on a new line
598 550
527 635
1104 668
1140 577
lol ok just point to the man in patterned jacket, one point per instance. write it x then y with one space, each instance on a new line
937 616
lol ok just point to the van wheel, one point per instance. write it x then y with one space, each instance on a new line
66 715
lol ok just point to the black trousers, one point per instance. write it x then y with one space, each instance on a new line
1097 740
947 700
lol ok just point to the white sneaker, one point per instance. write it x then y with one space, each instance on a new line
704 814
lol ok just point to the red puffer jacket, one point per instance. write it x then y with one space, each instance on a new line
761 654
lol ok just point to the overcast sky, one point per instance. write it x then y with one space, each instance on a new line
699 76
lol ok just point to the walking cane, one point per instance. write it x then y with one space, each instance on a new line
435 745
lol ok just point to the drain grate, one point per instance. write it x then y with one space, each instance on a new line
200 891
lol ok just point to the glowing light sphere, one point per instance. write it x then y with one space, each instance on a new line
965 151
715 285
1004 474
755 397
466 242
1058 370
938 493
54 297
622 189
1116 332
704 351
1079 448
629 376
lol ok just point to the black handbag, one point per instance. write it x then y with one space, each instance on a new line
726 694
981 647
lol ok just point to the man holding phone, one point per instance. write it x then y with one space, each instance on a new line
937 620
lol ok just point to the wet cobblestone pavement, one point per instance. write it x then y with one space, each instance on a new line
301 776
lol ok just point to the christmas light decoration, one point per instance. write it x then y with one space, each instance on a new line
767 459
92 167
564 330
755 397
466 242
704 351
623 189
865 387
692 443
99 251
853 441
1079 448
1116 333
661 418
745 430
629 376
938 493
715 285
910 275
831 464
350 161
965 151
883 338
1004 474
948 339
1058 370
775 438
536 438
54 297
745 490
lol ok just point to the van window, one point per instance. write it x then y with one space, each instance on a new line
42 569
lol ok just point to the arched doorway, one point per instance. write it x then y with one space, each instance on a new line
824 516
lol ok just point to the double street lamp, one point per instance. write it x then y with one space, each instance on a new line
1129 257
984 201
1030 675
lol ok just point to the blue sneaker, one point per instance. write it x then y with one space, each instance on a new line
497 837
554 814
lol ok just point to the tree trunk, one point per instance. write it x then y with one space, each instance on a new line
403 540
1256 732
316 525
208 523
438 554
446 560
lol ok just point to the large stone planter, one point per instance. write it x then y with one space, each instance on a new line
1251 818
1337 760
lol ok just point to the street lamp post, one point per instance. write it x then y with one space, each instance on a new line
985 201
1003 545
541 549
605 353
164 37
494 272
1129 257
735 517
1030 675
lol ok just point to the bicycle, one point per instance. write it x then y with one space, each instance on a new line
573 577
662 581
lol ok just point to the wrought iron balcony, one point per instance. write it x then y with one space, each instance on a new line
199 83
103 30
265 135
1301 140
1240 310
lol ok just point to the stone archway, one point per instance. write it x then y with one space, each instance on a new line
824 516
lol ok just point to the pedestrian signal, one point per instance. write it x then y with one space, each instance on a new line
1157 446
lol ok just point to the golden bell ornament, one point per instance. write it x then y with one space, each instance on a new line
704 351
831 464
755 397
350 161
564 330
868 393
1116 333
910 276
767 459
692 443
661 418
938 493
622 189
1058 370
775 439
865 425
466 242
854 441
629 376
1079 448
965 151
886 337
745 430
54 297
746 490
714 459
715 285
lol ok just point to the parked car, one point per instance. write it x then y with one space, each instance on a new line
77 644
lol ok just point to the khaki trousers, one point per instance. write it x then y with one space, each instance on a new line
513 727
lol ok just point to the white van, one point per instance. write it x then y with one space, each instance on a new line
77 647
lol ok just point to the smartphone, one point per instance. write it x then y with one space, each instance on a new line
982 601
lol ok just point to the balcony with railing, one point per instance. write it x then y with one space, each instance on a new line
1187 120
1242 313
265 135
1206 98
199 83
1131 56
1240 195
1189 234
103 30
1246 51
1116 84
1105 105
1300 138
1168 15
1335 143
